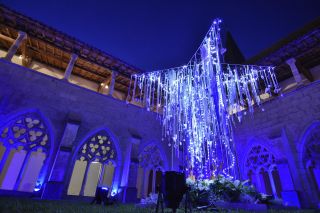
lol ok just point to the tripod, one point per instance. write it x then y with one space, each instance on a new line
159 201
187 204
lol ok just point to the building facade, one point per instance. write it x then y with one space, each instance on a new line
68 125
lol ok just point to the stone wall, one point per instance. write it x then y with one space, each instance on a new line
57 73
64 104
280 125
75 112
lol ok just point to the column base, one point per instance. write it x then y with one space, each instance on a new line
129 195
291 198
53 190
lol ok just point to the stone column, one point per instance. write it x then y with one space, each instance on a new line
112 83
15 46
129 169
54 188
154 175
126 165
258 180
69 69
144 180
297 77
316 174
273 185
289 194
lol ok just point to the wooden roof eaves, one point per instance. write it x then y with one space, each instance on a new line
28 24
44 55
66 62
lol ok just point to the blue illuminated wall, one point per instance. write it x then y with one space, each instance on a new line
73 113
286 128
283 128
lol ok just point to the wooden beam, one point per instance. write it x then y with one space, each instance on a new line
41 52
6 38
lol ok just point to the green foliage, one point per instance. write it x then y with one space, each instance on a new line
221 189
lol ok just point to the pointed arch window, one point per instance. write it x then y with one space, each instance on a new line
261 170
150 170
311 155
24 148
94 165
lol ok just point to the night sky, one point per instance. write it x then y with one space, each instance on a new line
156 34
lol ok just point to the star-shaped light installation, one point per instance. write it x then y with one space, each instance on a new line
200 102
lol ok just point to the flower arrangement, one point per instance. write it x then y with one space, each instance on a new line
221 188
151 200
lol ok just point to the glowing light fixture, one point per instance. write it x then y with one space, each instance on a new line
201 101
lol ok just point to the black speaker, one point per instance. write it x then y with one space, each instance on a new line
173 188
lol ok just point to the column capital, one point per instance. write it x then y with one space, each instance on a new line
70 66
22 34
74 56
15 46
115 73
291 61
113 81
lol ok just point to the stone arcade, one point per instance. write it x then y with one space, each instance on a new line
65 126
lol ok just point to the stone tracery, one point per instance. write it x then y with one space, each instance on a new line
98 148
150 157
25 144
259 157
312 144
28 131
95 165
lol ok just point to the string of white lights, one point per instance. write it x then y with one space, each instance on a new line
200 102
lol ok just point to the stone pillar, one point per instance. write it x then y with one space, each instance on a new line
289 194
316 174
129 169
143 183
154 174
273 185
258 181
146 182
54 188
299 179
112 83
15 46
69 69
297 77
139 181
126 165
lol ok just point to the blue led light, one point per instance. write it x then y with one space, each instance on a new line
200 102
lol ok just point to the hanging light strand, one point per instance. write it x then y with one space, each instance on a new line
200 102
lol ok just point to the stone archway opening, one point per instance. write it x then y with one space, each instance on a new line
24 149
150 171
94 166
261 169
311 156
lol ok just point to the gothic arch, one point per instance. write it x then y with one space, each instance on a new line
26 149
260 167
309 155
151 157
98 159
254 142
311 132
258 157
152 163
